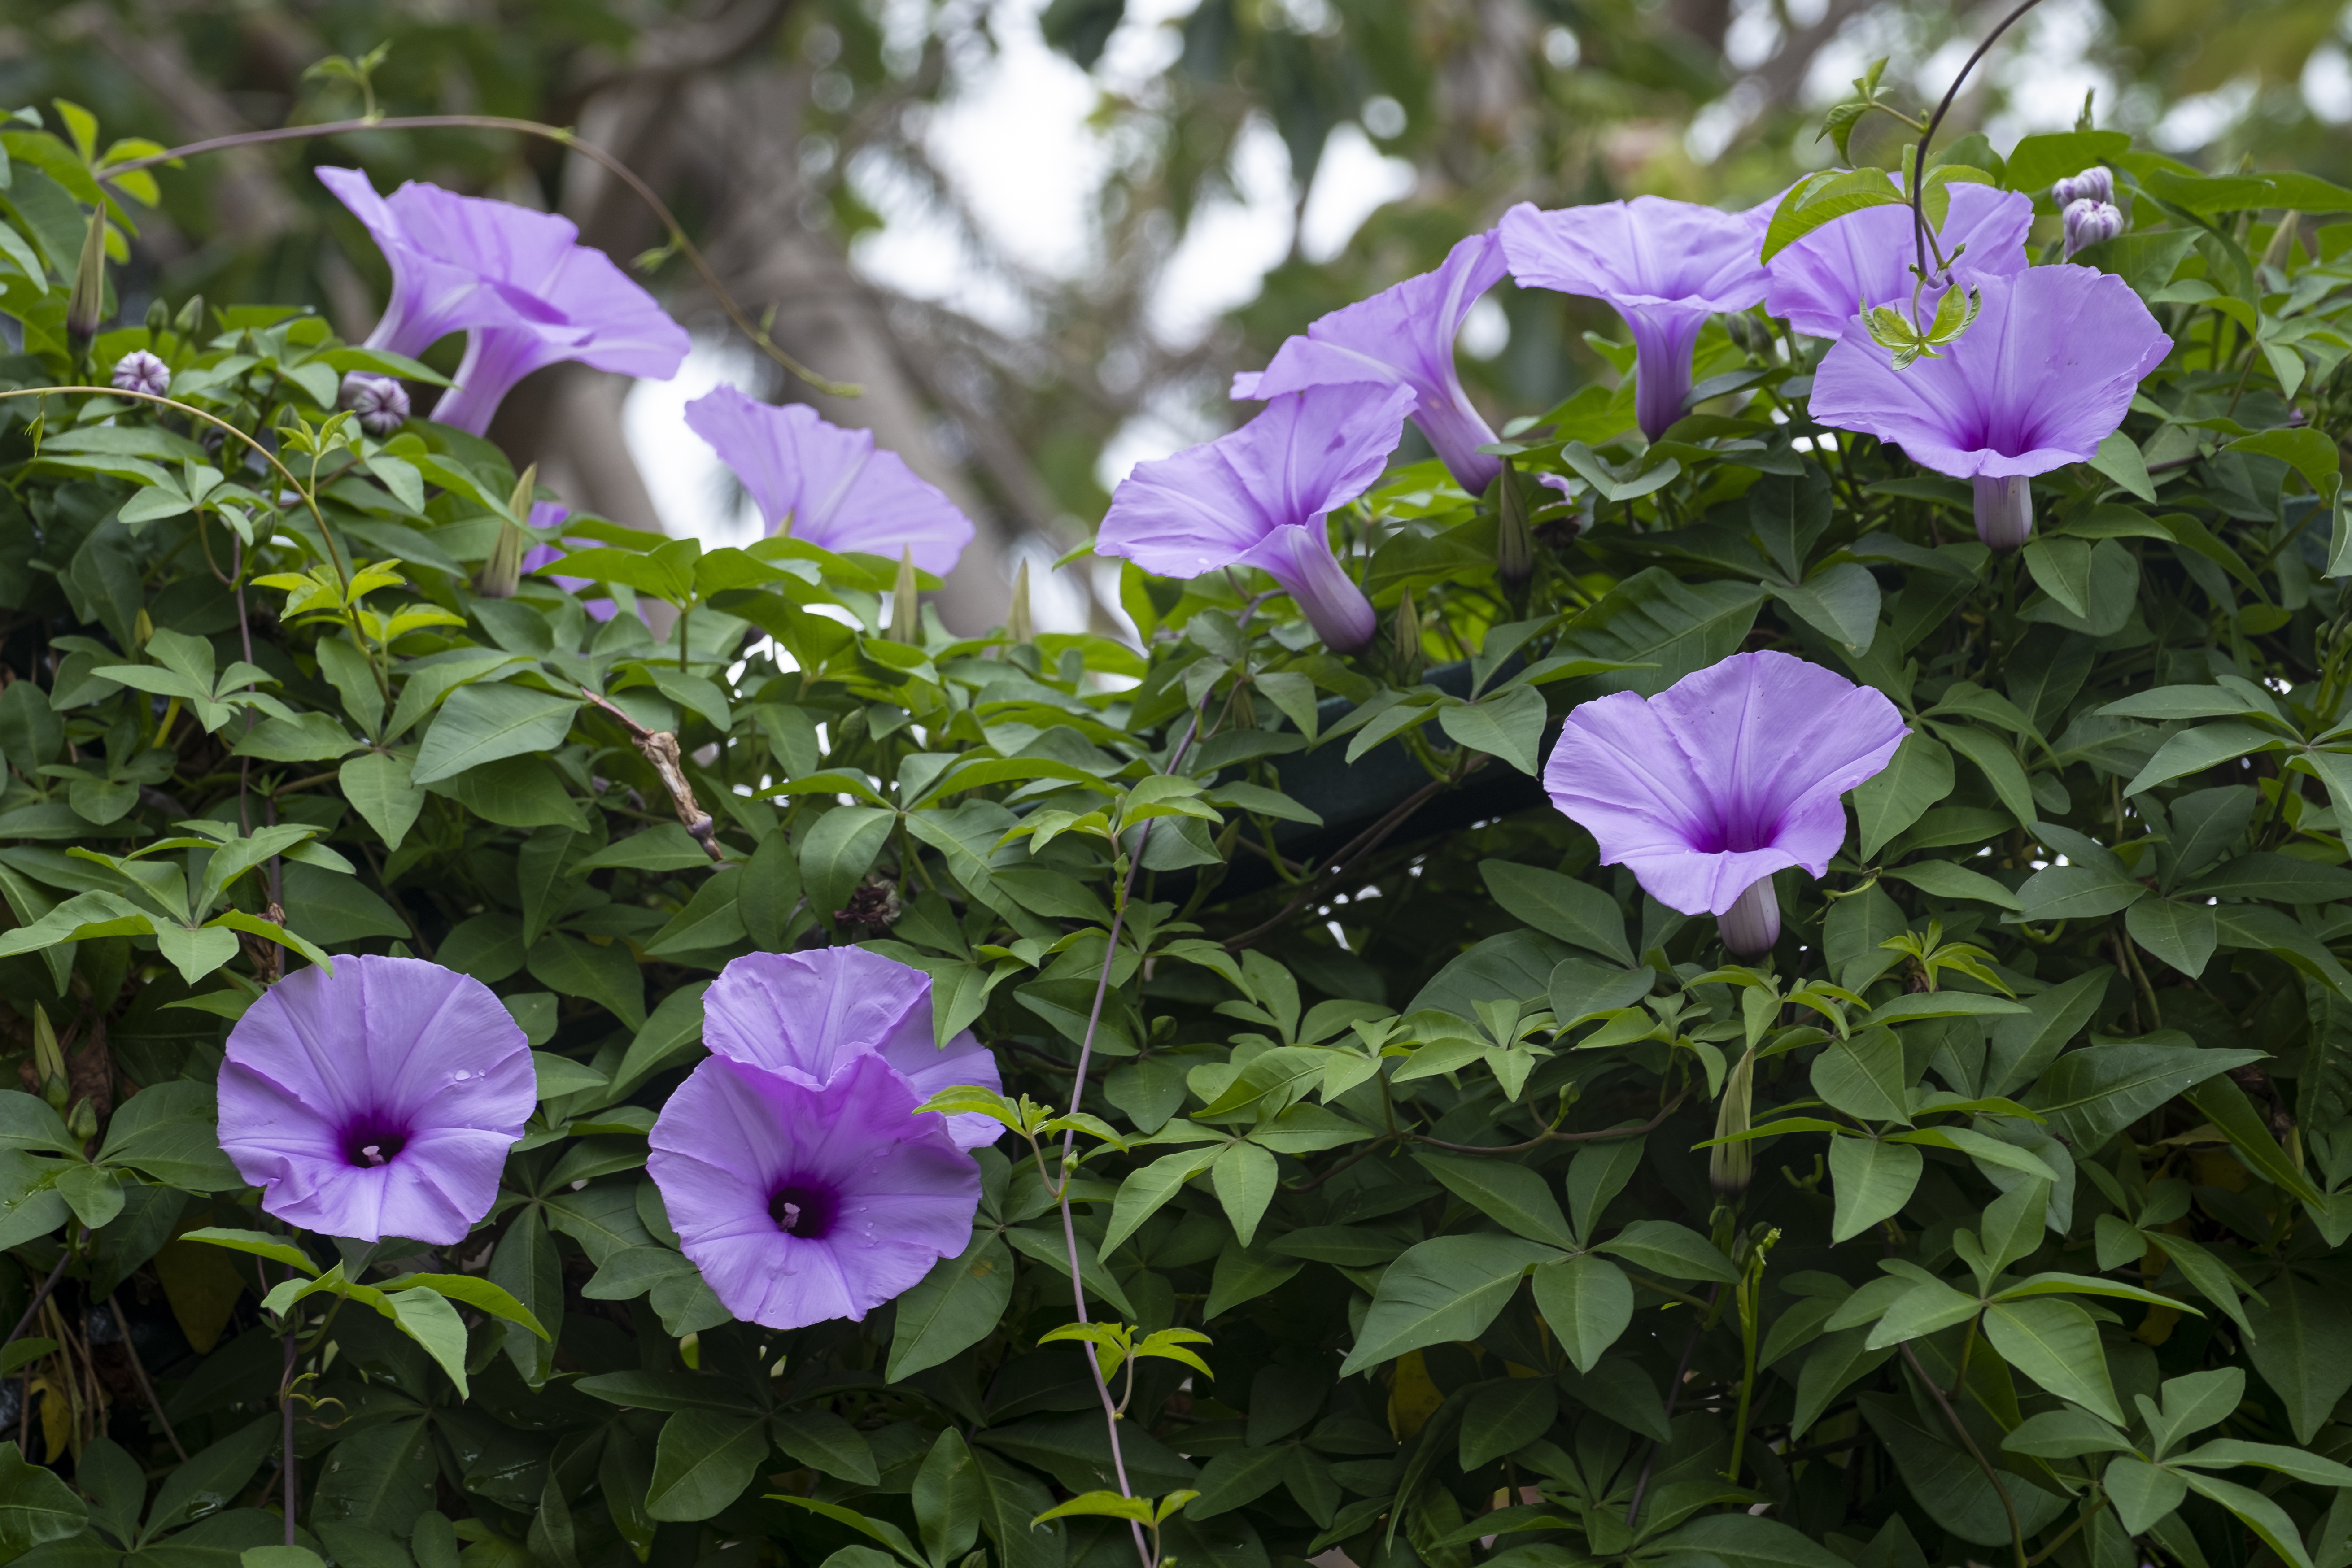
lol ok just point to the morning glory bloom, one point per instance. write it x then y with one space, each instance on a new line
1721 779
2043 376
800 1204
519 283
1666 266
831 487
805 1016
2088 222
1258 497
1864 259
379 1100
1403 337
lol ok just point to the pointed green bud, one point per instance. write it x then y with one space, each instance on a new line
1515 542
1017 626
86 306
1408 641
906 608
502 574
191 318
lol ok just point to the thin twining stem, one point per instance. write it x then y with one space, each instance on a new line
1919 161
555 133
334 552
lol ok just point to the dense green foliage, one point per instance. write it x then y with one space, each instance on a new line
1991 1219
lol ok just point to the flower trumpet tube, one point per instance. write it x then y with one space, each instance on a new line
517 283
1721 779
1260 496
1403 337
1664 267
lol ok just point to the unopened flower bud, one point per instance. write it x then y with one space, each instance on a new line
1515 545
159 319
381 401
83 1120
2004 510
1730 1167
906 608
140 371
1408 641
191 318
503 571
1018 627
2096 184
2089 221
86 306
1752 925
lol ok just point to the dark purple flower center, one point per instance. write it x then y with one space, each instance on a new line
373 1141
1735 835
807 1212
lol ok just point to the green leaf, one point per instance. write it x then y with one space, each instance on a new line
1575 912
1871 1180
1654 619
1746 1541
481 724
1864 1076
837 851
2302 1348
953 1308
1588 1303
2225 1105
2194 750
2182 934
2258 1514
703 1461
2142 1494
1895 797
2000 765
1243 1177
382 789
2056 1344
1662 1246
1507 724
2311 452
1840 601
429 1320
2091 1093
35 1507
1145 1190
1447 1289
1505 1192
823 1441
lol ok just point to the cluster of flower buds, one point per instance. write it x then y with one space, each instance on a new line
2087 203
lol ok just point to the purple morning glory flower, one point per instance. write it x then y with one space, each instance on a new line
831 487
1721 779
1403 337
141 371
2042 377
802 1203
519 283
1258 497
1864 258
1666 266
379 1100
806 1016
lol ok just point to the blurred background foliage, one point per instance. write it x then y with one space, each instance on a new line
780 128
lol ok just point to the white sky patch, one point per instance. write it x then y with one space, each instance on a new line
2327 84
2197 122
1233 242
691 489
1354 180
